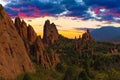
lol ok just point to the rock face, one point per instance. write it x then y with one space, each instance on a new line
34 44
83 43
54 59
26 32
42 57
86 37
50 35
40 54
13 55
31 34
17 40
21 27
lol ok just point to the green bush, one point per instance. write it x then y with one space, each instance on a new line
60 68
113 75
28 76
71 74
83 76
2 78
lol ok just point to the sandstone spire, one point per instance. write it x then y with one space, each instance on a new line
31 34
50 35
83 43
86 37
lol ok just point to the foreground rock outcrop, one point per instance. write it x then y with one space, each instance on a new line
50 35
14 59
18 41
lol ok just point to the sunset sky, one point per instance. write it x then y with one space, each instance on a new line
70 16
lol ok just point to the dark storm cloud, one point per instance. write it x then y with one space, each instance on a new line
107 3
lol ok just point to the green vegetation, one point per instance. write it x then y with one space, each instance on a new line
83 65
2 78
28 76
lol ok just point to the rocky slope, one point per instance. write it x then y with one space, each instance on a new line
13 55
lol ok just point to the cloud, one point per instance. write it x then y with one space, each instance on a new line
101 10
107 3
104 9
91 29
29 20
59 26
31 8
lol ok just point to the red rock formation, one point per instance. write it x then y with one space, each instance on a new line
50 35
54 59
14 59
34 44
41 54
18 25
38 49
42 57
13 56
83 43
86 37
26 32
31 34
21 27
24 29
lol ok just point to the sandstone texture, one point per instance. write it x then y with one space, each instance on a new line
13 55
50 35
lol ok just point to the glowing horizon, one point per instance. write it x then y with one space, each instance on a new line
65 25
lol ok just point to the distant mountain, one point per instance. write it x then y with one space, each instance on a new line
106 33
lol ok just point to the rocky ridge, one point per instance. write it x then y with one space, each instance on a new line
13 55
